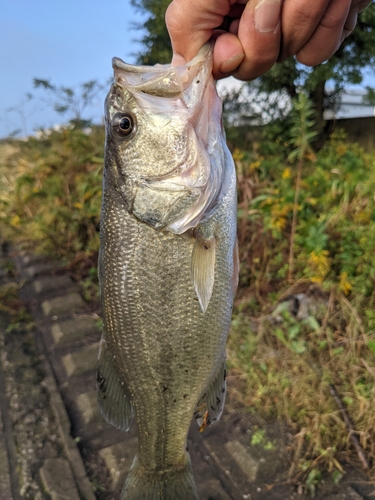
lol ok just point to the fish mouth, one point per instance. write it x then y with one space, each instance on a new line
200 178
162 80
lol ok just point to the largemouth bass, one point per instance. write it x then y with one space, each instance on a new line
168 266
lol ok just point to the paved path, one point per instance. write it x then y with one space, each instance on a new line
95 457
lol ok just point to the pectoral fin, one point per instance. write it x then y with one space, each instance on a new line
114 402
203 269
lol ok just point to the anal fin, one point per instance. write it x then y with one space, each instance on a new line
211 404
203 269
113 399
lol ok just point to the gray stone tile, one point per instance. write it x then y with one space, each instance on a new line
81 361
46 284
241 455
62 306
118 459
88 408
5 484
73 330
38 269
350 494
58 479
25 259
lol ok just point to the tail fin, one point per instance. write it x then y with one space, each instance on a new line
174 484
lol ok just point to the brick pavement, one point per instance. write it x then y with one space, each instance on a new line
96 456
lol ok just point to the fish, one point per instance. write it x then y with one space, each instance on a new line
168 266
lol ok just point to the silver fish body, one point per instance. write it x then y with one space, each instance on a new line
167 266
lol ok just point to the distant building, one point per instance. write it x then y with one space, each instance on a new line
350 104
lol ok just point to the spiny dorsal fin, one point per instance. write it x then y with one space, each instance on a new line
203 269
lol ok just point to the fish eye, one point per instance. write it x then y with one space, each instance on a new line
123 124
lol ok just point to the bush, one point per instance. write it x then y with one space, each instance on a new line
51 191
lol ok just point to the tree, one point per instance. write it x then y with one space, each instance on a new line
156 40
322 83
66 100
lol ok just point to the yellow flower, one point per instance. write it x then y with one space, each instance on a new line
320 265
317 279
287 173
15 221
254 165
341 149
279 223
345 286
238 155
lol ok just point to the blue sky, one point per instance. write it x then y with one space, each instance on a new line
68 42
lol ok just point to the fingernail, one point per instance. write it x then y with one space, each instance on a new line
267 15
231 64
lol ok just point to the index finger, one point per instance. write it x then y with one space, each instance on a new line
190 23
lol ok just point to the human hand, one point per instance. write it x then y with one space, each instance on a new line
252 35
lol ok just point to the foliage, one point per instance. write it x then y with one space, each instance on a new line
51 191
285 363
324 82
155 40
69 101
343 68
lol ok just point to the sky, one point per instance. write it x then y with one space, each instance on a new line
68 42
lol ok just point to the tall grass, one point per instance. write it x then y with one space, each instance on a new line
50 190
287 363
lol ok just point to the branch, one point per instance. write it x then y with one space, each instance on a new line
349 426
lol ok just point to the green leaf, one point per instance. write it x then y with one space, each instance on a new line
371 346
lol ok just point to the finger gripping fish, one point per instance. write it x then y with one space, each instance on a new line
167 266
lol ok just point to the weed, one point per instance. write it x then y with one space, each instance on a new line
319 244
51 192
284 359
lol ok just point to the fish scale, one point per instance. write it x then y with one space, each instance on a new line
162 352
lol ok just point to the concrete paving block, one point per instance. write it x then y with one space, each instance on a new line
73 330
243 458
60 306
38 269
210 489
58 479
25 259
46 284
5 482
117 461
88 408
81 361
350 494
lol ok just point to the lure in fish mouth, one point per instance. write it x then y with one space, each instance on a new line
168 266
